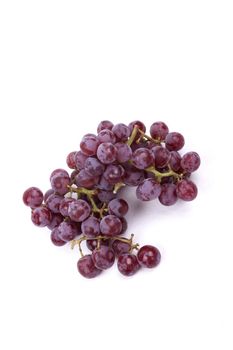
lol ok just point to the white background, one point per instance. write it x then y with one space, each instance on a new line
64 66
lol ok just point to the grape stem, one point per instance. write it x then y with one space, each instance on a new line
134 134
159 175
79 241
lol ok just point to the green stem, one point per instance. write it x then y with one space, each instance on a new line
159 175
133 135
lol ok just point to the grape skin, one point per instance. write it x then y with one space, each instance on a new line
107 153
174 141
91 227
168 194
148 256
103 257
87 268
110 226
186 190
104 124
128 264
148 190
142 158
79 210
41 216
190 162
118 207
33 197
159 130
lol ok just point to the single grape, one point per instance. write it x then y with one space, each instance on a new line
114 173
80 160
79 210
174 162
128 264
139 124
133 176
104 184
103 257
168 194
70 160
57 172
148 190
107 153
186 190
105 196
124 152
89 145
159 131
106 135
41 216
118 207
68 230
161 155
148 256
121 132
93 243
55 237
83 179
56 221
142 158
110 226
33 197
93 167
105 124
86 267
60 181
190 162
64 205
174 141
47 194
91 227
53 202
120 247
139 144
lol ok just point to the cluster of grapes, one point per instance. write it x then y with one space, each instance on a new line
86 203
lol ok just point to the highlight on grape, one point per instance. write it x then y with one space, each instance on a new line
85 206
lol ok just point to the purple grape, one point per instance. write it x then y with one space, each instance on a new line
110 226
64 205
70 160
105 124
93 243
103 257
133 176
174 141
124 152
55 237
86 267
89 145
83 179
114 173
106 135
175 160
128 264
118 207
107 153
148 190
93 167
159 131
104 184
79 210
168 194
53 202
142 144
190 162
33 197
105 196
56 221
68 230
148 256
186 190
73 175
142 158
161 155
120 247
80 160
47 194
121 132
60 181
41 216
91 227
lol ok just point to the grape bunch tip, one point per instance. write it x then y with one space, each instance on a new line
85 206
